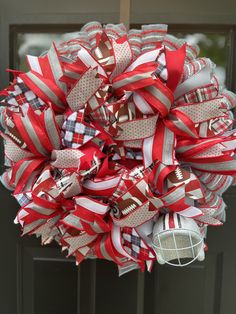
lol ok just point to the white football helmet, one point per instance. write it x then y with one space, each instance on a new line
177 240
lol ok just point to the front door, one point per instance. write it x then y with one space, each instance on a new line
41 280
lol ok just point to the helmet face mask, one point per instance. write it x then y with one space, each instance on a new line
177 245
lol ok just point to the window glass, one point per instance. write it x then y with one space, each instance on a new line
35 44
213 46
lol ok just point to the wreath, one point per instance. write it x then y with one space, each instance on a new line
119 145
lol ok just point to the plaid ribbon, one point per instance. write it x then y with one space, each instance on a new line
198 95
135 246
76 131
221 125
23 198
216 126
161 70
21 95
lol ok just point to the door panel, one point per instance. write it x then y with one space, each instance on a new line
113 296
192 287
49 282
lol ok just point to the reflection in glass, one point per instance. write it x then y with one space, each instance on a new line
213 46
35 44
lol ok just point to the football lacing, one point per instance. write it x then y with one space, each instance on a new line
14 137
179 173
133 206
129 209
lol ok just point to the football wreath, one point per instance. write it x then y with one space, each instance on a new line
119 145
